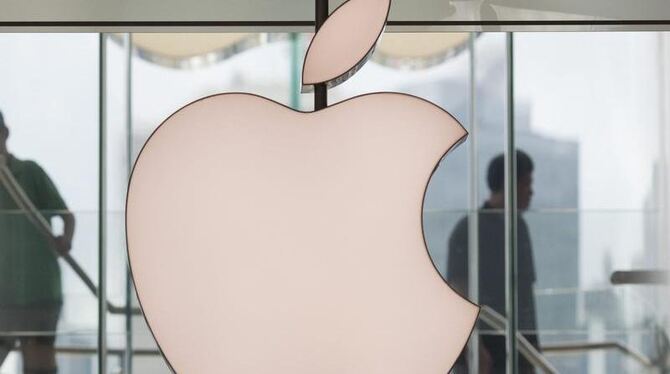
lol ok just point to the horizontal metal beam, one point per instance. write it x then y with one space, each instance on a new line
313 24
308 26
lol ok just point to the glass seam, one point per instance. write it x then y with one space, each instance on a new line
511 278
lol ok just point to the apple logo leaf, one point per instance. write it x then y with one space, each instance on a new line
344 42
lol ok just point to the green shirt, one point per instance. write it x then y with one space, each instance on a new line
29 270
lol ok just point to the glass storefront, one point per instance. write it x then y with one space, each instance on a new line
588 113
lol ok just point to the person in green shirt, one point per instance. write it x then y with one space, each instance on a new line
31 294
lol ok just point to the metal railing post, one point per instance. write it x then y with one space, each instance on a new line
511 278
473 204
102 204
128 356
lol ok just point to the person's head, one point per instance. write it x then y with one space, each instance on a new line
524 174
4 133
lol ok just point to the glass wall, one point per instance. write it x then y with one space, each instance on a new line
590 110
49 96
589 117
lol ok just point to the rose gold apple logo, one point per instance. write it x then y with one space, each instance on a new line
266 240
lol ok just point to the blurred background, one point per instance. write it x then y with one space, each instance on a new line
590 109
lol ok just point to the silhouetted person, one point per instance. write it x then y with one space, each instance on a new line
30 280
491 236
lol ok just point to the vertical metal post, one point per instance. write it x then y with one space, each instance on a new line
664 163
128 362
473 205
511 278
320 90
102 205
295 72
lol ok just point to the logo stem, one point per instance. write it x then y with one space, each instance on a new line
320 90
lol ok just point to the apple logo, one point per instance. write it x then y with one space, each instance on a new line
267 240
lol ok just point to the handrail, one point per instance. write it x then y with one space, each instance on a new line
113 351
73 350
527 350
646 276
497 321
581 347
32 213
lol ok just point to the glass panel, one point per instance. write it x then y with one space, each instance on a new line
270 69
117 172
473 243
49 98
458 194
589 112
447 85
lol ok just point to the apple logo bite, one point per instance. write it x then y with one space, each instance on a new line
267 240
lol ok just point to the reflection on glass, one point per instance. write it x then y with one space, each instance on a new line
31 294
